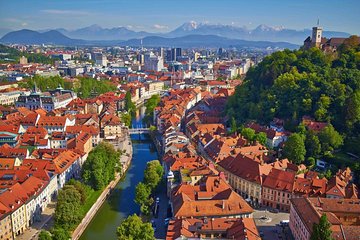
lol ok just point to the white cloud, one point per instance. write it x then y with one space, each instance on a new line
160 27
24 24
64 12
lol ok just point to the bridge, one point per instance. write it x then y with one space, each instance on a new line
138 129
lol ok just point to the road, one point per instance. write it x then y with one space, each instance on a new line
161 229
271 228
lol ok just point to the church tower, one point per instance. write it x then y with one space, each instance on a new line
316 36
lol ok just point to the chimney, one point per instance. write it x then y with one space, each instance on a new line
223 204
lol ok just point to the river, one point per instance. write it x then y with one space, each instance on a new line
121 203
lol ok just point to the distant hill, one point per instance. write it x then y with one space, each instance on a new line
260 33
54 37
205 41
26 36
96 32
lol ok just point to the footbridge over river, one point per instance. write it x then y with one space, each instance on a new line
139 129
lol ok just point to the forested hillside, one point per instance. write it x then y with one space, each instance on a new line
12 55
291 84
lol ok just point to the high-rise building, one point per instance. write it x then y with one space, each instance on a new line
175 53
153 62
100 59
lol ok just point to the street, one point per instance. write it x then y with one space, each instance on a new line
161 229
270 227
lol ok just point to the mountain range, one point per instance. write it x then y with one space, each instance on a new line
54 37
260 33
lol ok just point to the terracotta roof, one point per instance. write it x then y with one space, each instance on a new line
228 228
280 180
212 197
340 214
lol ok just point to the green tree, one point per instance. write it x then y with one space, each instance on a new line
126 119
233 125
321 230
81 188
100 166
67 213
261 138
60 234
153 174
150 105
311 162
129 105
353 109
44 235
294 148
142 197
248 133
312 144
134 228
330 139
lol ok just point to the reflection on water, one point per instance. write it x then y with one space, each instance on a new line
121 202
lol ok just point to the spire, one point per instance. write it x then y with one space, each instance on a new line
318 22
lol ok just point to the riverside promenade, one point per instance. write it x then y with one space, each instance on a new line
125 146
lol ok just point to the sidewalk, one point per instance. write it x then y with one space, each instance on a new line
36 227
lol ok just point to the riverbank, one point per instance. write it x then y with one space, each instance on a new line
125 160
120 204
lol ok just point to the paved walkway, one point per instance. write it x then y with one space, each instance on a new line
35 228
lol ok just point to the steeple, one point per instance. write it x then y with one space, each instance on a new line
35 89
316 35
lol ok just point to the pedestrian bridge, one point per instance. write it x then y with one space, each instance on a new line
139 129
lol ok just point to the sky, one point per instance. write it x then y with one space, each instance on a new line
166 15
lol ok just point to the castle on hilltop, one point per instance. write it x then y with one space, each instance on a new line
327 45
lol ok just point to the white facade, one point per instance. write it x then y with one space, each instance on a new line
153 62
9 98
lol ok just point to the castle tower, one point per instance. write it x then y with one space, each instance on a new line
316 36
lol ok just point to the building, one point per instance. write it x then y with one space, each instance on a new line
327 45
212 197
245 176
9 98
213 228
23 60
153 62
100 59
277 189
6 232
343 215
51 100
55 123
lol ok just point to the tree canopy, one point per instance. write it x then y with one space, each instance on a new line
290 84
134 228
295 148
100 166
67 213
321 230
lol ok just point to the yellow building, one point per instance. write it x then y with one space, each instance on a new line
245 175
6 232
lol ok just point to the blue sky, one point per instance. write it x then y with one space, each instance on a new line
165 15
